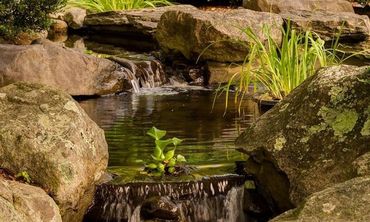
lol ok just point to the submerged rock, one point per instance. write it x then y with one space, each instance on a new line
216 36
21 202
51 64
160 208
45 133
315 136
278 6
328 25
348 201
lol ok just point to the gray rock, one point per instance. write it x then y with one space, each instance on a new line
278 6
75 17
212 35
350 26
46 133
348 201
313 136
21 202
51 64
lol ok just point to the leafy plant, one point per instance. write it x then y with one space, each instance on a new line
24 176
114 5
279 68
163 157
26 15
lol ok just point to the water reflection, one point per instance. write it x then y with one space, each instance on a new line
208 134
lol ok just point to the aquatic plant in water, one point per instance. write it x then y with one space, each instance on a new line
115 5
163 157
279 68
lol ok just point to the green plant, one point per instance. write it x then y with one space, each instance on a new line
163 157
26 15
24 176
114 5
279 68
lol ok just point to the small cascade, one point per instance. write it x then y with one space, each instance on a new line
216 198
142 74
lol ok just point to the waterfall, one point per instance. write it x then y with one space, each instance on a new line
142 74
218 198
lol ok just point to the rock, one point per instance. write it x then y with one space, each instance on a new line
45 133
132 23
21 202
348 201
50 64
26 38
278 6
58 26
352 27
222 72
74 17
160 208
313 136
213 35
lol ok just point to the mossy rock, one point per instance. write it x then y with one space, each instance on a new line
316 136
46 133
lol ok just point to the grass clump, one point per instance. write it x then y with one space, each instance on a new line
277 68
94 6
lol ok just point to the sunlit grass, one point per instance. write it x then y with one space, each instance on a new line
115 5
279 68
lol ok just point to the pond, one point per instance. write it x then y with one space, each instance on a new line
207 130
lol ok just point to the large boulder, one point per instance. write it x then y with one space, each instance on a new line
348 201
132 23
51 64
315 137
328 25
216 36
45 133
278 6
21 202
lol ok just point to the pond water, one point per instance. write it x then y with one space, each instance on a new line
187 113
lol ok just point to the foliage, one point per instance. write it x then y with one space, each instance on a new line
279 68
26 15
164 160
24 176
114 5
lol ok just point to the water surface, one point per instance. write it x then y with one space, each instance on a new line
208 134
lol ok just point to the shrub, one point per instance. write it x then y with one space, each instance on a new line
26 15
114 5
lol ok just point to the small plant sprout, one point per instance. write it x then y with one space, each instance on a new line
163 157
24 176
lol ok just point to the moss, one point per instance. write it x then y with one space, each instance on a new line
366 129
317 128
279 143
337 94
341 122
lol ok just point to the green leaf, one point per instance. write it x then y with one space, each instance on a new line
172 162
24 176
181 158
162 157
176 141
171 170
169 155
156 133
157 152
162 144
152 166
156 158
160 167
